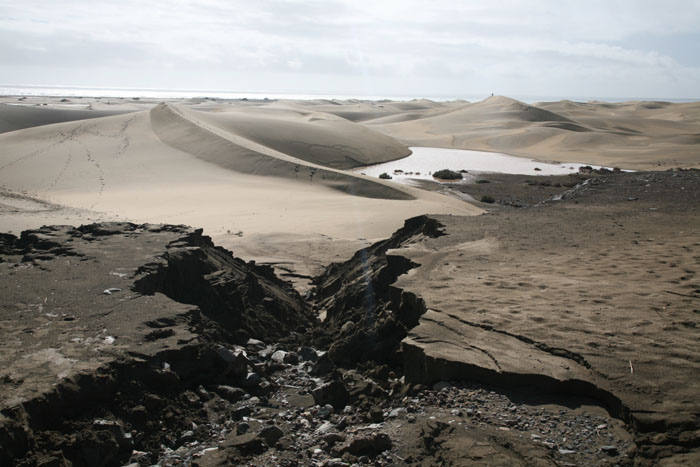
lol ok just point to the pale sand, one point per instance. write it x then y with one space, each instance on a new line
632 135
176 165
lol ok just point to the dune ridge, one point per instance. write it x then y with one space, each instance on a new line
182 130
634 135
18 117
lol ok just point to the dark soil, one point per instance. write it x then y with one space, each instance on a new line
148 344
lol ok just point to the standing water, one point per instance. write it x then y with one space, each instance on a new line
424 161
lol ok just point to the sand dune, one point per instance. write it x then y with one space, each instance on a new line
315 137
18 117
176 165
269 173
635 135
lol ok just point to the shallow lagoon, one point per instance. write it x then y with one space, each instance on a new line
424 161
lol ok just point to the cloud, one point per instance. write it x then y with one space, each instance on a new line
470 45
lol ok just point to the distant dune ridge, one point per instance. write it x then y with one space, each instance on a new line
634 135
18 117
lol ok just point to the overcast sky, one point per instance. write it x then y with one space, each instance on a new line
589 48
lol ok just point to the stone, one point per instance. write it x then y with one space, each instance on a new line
323 366
124 440
326 427
333 393
251 380
610 450
242 428
376 415
440 385
229 393
308 354
397 412
332 439
247 444
271 434
203 394
278 356
366 445
236 361
187 436
325 411
335 462
291 358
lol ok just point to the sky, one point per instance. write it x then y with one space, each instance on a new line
419 48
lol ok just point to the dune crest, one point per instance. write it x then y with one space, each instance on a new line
634 135
182 130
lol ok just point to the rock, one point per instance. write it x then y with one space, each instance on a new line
236 362
610 450
124 439
241 412
242 427
325 411
203 394
229 393
187 436
397 413
291 358
251 380
376 415
99 446
247 444
325 428
368 388
271 434
342 423
366 445
278 356
565 452
440 385
335 462
138 415
308 354
323 366
332 439
333 393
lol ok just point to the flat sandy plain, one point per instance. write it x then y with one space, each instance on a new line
594 294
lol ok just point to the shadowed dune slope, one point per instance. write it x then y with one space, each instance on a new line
315 137
18 117
195 133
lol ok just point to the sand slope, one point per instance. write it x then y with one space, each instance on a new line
18 117
635 135
174 165
319 138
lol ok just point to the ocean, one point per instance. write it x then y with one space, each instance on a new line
75 91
